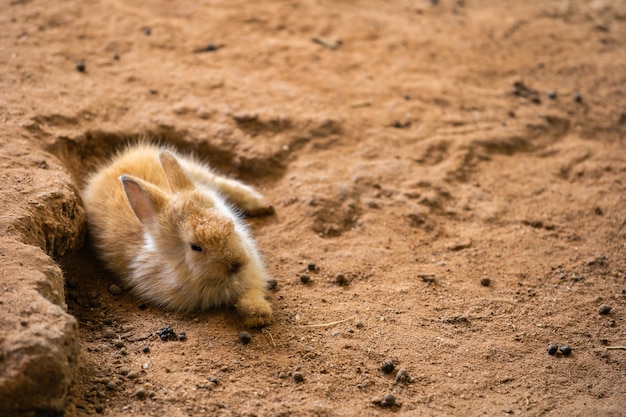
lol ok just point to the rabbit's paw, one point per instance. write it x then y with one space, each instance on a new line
255 205
256 312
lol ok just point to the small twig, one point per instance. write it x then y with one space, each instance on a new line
616 348
326 43
267 331
332 323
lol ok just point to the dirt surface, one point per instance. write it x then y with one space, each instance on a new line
416 147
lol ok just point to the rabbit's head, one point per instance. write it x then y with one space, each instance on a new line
186 226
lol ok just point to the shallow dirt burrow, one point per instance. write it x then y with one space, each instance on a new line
449 180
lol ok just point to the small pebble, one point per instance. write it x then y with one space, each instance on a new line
551 95
115 289
245 338
124 371
182 336
133 375
604 309
123 351
214 380
107 321
119 343
80 66
552 349
147 31
146 349
388 366
142 306
566 350
167 333
98 408
116 57
210 47
140 393
109 334
403 376
577 97
341 279
311 266
305 279
388 400
485 282
298 376
111 385
271 284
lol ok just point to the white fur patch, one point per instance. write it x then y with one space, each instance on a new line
148 242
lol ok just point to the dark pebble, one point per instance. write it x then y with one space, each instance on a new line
551 95
140 393
388 366
341 279
389 400
142 306
146 349
116 57
182 336
311 266
115 289
566 350
147 31
402 376
107 321
210 47
99 409
407 97
552 349
305 279
245 338
112 386
80 66
604 309
485 282
271 284
577 97
214 380
298 376
167 333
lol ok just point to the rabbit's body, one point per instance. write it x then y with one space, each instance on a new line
162 223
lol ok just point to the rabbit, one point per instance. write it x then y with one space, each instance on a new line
163 222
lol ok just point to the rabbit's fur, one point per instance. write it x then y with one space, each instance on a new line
163 222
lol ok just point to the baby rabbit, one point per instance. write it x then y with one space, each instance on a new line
160 221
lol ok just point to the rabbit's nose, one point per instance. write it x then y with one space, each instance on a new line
233 267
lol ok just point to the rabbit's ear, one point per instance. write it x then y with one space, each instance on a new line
176 177
145 199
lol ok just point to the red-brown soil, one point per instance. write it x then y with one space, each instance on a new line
413 147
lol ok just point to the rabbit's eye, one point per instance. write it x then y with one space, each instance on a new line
196 247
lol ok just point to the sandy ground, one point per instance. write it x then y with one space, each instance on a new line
416 147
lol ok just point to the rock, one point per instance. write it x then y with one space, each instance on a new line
141 393
604 309
389 400
566 350
37 363
403 376
245 337
298 377
388 366
115 289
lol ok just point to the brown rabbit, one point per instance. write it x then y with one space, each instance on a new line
163 223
